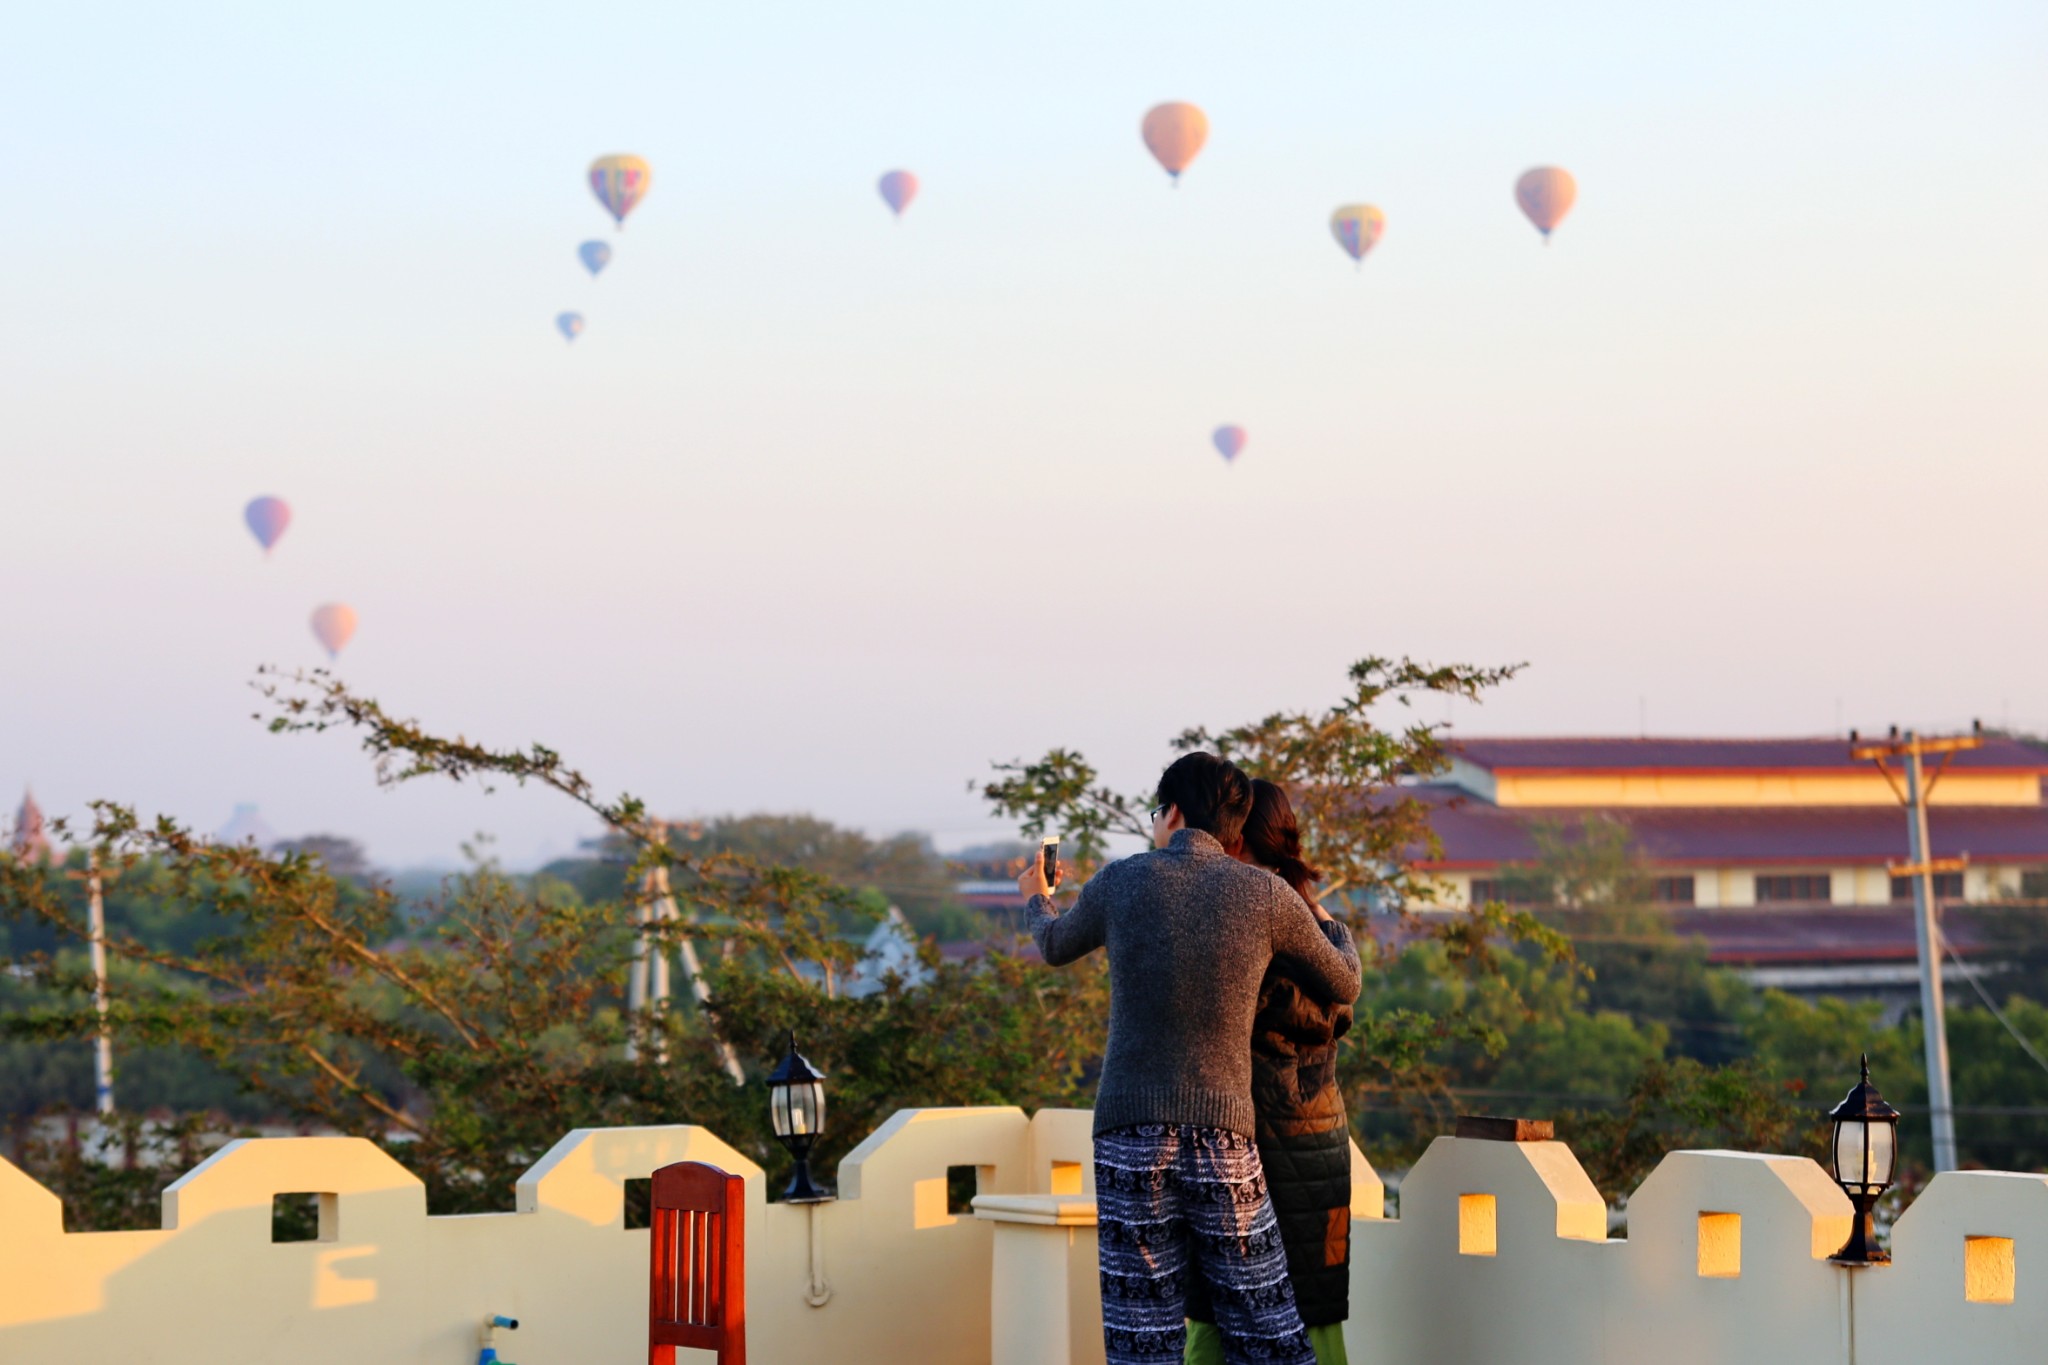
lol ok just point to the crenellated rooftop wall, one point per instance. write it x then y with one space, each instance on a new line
1500 1253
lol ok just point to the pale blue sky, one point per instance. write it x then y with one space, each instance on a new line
1773 399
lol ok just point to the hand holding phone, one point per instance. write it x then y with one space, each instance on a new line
1049 858
1042 874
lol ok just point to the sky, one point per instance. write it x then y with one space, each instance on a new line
826 512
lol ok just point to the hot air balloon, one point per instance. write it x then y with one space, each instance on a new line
267 517
898 189
1175 133
333 625
1546 196
570 325
596 256
1357 227
620 182
1229 440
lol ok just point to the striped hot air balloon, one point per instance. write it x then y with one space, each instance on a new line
1356 227
620 182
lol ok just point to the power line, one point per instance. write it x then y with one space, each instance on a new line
1970 975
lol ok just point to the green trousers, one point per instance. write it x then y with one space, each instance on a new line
1205 1344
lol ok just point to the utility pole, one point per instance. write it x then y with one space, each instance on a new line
648 986
686 949
103 1042
1921 867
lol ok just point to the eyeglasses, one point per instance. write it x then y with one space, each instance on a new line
1158 811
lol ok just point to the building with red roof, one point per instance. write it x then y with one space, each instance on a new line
1777 851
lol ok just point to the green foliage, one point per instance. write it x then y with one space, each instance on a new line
1589 883
903 870
1682 1105
118 1182
1992 1076
1573 1052
1819 1043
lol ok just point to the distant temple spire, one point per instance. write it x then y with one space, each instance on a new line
29 840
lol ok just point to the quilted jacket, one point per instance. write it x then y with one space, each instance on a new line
1304 1145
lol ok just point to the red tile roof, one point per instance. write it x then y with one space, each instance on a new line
1477 834
1820 935
1610 754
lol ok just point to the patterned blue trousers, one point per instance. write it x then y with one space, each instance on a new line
1173 1201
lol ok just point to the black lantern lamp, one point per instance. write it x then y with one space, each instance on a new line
1866 1157
796 1106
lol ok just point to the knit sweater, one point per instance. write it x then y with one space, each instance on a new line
1190 932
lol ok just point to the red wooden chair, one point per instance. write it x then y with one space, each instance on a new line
697 1229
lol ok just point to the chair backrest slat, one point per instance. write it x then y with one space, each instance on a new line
697 1244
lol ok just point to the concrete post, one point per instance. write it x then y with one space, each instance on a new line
1046 1304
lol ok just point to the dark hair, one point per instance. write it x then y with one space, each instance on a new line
1212 794
1272 838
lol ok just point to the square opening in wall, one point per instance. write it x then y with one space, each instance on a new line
962 1184
1720 1256
1476 1225
639 1204
1988 1270
1066 1177
303 1217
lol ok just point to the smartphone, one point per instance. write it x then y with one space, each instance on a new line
1049 858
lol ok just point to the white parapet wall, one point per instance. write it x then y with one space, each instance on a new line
1500 1253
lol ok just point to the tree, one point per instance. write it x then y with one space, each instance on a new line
1682 1105
902 870
343 857
1590 883
467 1040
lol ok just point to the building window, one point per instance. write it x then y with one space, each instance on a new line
1672 891
1506 890
1948 886
1796 886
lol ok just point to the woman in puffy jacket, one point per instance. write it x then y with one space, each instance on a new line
1303 1137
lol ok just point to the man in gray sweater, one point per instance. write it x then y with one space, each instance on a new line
1190 931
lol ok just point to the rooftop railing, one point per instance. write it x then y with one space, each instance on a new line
1501 1252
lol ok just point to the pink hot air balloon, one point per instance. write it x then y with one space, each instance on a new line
267 517
1175 133
334 624
1546 196
898 189
1229 440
